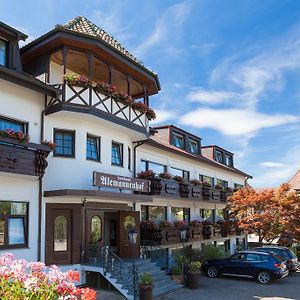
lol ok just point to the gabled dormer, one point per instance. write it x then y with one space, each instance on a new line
180 138
218 154
9 47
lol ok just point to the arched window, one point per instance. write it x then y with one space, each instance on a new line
60 233
96 229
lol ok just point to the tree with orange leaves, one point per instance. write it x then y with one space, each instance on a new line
257 212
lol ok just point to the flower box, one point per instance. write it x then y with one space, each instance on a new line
151 235
170 235
196 233
217 230
207 231
206 193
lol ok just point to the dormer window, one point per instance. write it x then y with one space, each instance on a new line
228 160
178 140
219 156
3 52
193 146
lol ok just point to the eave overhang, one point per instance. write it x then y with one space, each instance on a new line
60 36
28 81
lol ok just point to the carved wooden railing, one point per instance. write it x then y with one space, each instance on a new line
92 101
23 158
171 235
172 188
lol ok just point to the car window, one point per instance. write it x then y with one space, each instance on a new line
238 257
264 257
252 257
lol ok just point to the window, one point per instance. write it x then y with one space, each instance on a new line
193 146
180 214
13 224
154 213
223 183
6 123
61 233
93 148
238 186
220 213
153 166
228 160
96 230
117 154
64 143
178 140
252 257
3 52
129 158
204 178
179 172
219 156
206 213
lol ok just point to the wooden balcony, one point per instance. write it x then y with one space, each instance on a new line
174 189
171 235
23 158
87 100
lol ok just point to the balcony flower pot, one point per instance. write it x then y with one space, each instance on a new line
206 231
184 190
156 186
146 287
193 275
217 230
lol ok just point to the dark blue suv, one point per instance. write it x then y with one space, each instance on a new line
260 265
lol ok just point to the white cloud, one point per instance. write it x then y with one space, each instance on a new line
272 164
235 122
210 97
165 28
162 116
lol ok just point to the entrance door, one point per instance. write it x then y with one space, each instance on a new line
59 237
126 221
63 233
93 227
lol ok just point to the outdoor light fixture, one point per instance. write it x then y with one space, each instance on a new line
132 236
183 232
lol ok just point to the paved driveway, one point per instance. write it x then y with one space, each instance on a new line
228 288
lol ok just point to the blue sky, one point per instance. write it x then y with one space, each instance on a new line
229 70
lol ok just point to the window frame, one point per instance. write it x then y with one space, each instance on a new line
183 172
16 121
175 133
222 182
217 151
98 146
6 219
146 162
68 131
193 141
121 153
6 63
230 160
147 214
201 178
129 159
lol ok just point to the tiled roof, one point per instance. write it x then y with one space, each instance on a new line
157 139
295 181
84 26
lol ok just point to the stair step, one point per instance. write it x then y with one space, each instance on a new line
162 291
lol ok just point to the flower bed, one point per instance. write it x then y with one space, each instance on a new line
111 91
20 279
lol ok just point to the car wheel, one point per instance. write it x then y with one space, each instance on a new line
212 272
263 277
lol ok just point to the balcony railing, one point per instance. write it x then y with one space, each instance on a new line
174 189
23 158
171 235
87 99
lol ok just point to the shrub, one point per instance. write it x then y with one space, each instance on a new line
212 252
194 266
176 270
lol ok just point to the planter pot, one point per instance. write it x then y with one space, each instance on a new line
206 230
193 279
196 233
177 278
184 190
217 230
170 235
156 186
146 292
224 231
206 193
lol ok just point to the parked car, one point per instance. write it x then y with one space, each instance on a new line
256 264
283 252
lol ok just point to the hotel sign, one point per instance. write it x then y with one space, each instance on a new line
120 182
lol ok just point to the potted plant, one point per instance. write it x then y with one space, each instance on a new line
193 274
183 186
177 274
165 175
149 175
146 287
179 179
196 182
219 187
206 190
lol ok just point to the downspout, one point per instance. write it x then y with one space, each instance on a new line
40 195
138 144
